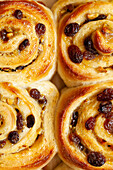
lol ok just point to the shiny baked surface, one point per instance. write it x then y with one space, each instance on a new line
27 42
84 41
27 125
84 126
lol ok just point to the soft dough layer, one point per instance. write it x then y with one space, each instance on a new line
27 42
27 125
85 41
84 126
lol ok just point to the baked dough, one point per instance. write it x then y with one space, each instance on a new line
85 38
27 125
84 126
27 42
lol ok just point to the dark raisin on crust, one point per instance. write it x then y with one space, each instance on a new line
106 95
35 94
88 43
1 120
30 121
100 17
108 125
90 123
24 44
20 68
105 107
71 29
96 159
40 29
37 137
19 121
75 54
109 115
74 138
81 147
3 35
18 14
13 137
2 143
74 119
88 55
70 8
87 151
42 100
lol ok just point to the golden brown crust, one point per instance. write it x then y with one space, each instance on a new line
83 100
86 14
28 152
38 60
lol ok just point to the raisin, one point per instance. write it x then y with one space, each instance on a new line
20 68
17 110
24 44
105 107
100 17
71 29
37 137
3 35
1 120
2 143
109 115
102 141
89 45
96 159
74 119
70 8
19 121
90 123
6 69
18 14
74 138
87 151
42 100
35 94
108 125
88 55
75 54
13 137
40 29
30 121
81 147
106 95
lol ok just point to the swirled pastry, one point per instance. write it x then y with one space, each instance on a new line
85 41
84 126
27 125
27 42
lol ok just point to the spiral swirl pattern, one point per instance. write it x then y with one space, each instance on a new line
84 126
27 42
85 41
26 125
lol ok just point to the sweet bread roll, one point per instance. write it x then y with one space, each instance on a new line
27 125
27 42
84 126
85 41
